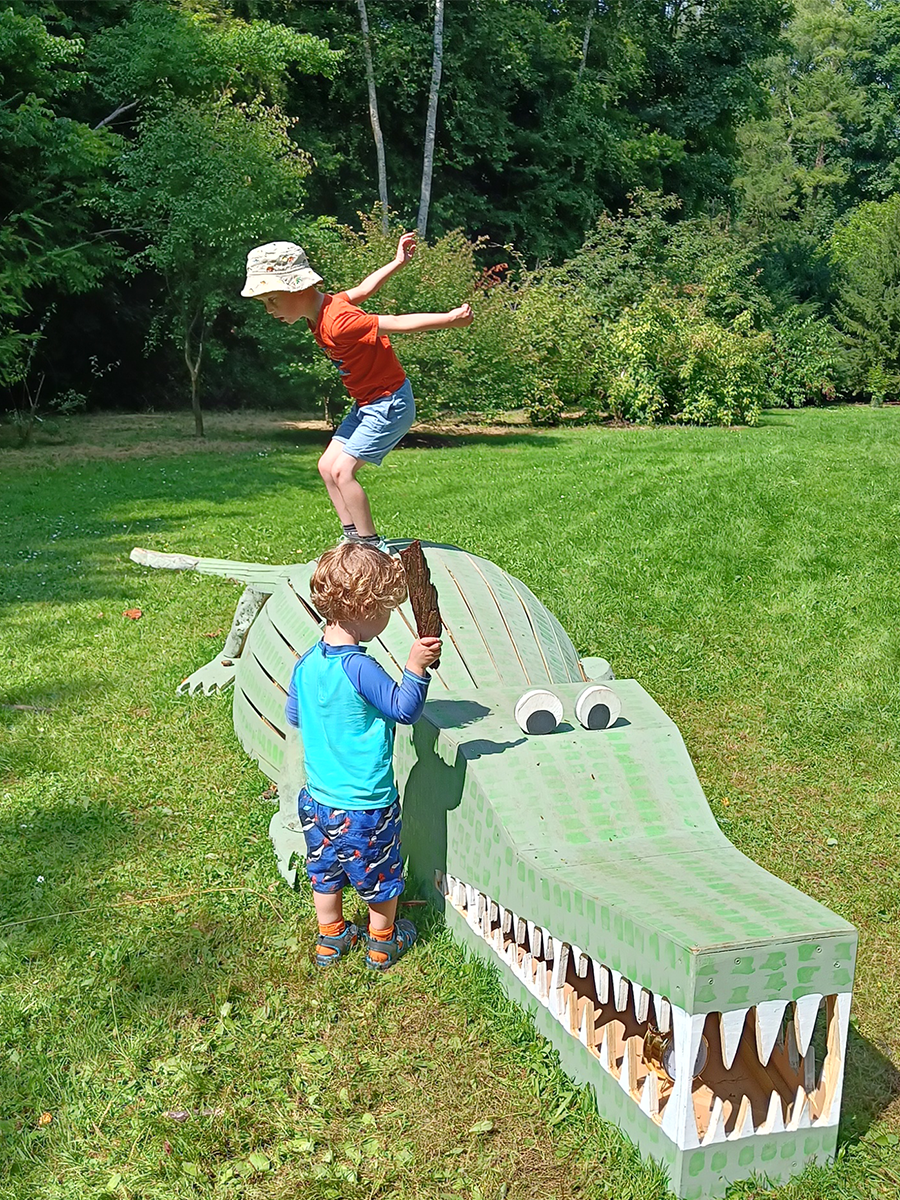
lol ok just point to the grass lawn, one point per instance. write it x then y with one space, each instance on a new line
165 1034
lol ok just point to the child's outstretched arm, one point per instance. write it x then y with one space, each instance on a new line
418 322
406 248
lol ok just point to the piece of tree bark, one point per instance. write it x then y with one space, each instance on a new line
373 115
431 120
422 592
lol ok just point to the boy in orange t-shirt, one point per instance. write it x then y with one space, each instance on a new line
383 409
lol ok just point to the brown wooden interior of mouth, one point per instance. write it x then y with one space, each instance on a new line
748 1083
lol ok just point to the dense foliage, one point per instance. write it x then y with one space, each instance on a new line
658 210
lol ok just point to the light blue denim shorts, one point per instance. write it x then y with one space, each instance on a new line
371 430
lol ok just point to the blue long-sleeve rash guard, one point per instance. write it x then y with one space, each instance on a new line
347 706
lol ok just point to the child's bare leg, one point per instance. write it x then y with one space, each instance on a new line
329 907
354 499
381 916
326 464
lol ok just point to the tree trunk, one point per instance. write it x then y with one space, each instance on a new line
373 115
193 365
585 45
431 120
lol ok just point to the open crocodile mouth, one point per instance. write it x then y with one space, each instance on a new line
761 1070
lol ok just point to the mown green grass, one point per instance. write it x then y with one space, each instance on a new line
748 578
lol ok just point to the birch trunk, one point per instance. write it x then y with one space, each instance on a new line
431 120
373 115
586 44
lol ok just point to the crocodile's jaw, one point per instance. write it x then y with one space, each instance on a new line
598 969
773 1107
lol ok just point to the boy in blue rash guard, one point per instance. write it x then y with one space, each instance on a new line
346 707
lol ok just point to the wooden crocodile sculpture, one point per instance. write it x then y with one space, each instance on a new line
705 1001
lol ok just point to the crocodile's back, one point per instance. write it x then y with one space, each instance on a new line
496 631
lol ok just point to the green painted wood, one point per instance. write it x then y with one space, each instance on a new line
462 630
488 618
555 642
601 839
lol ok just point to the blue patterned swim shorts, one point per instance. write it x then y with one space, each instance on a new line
352 847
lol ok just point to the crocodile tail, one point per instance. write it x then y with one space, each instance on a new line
264 577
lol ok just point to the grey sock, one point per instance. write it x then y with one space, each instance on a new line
371 539
350 531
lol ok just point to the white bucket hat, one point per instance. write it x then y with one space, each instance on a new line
278 267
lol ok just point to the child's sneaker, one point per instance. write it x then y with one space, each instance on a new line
382 955
329 949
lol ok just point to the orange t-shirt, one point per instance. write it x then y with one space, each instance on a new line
368 365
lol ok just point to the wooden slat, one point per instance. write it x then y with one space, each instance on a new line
486 614
277 657
561 658
515 617
256 737
263 694
468 639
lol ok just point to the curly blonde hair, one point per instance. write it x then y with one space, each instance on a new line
357 583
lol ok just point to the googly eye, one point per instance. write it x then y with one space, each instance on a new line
538 711
597 707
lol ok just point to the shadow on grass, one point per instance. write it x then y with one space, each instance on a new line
871 1084
422 438
50 856
69 531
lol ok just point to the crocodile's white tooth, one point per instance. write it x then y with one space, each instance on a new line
439 879
805 1010
557 979
619 989
549 945
511 957
743 1126
768 1019
774 1122
629 1063
837 1044
716 1130
641 1003
586 1029
792 1051
527 970
601 981
581 961
799 1111
534 937
459 893
604 1050
650 1095
542 982
522 932
663 1013
731 1026
506 920
497 939
493 912
678 1121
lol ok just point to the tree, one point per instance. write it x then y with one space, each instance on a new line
211 168
373 116
866 250
431 119
203 182
50 182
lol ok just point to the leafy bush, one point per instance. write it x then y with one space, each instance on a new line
667 360
804 361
